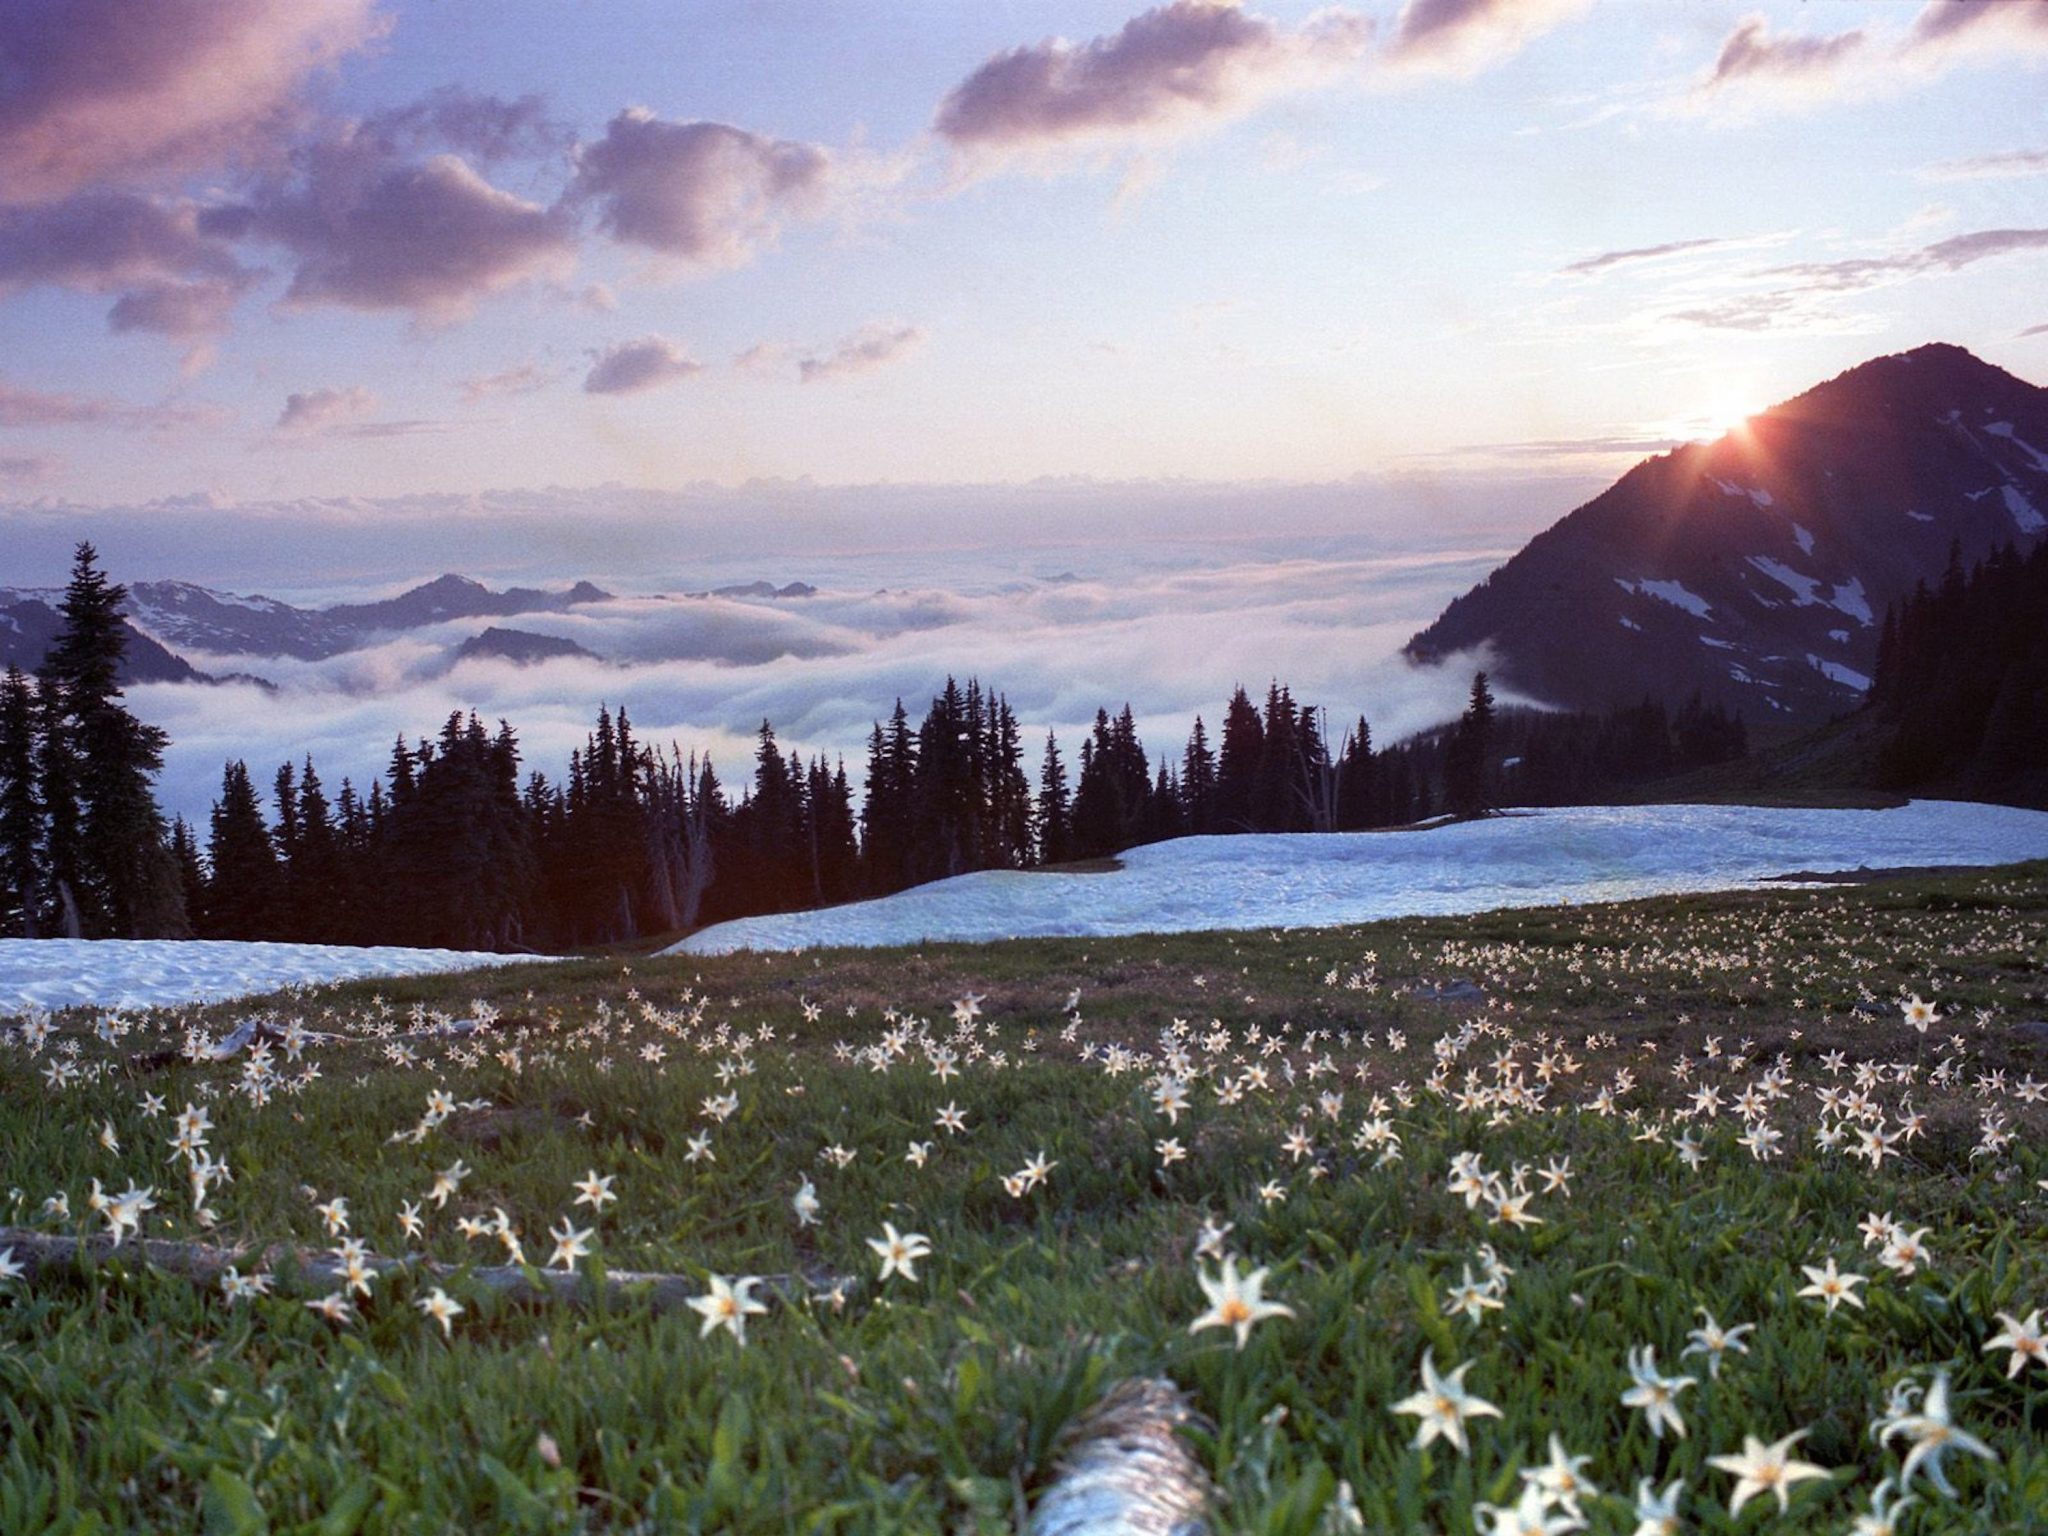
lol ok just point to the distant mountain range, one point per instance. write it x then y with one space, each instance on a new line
1756 569
169 617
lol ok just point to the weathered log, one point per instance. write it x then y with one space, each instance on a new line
316 1270
1125 1470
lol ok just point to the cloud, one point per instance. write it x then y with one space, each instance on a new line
1799 66
873 346
2034 330
2011 163
1463 37
1756 69
1950 255
520 379
21 407
1948 31
1607 259
487 128
172 279
322 410
112 91
1168 628
632 366
372 233
1174 69
32 469
702 194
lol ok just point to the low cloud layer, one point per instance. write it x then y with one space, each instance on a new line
1172 69
1167 631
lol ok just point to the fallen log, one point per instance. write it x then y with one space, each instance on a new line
318 1270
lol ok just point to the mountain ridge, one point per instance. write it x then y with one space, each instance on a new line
1756 569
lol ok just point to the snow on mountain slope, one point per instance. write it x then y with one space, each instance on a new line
147 973
1522 859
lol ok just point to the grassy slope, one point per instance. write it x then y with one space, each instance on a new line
133 1402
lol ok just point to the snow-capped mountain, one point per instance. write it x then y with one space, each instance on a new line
1756 569
201 619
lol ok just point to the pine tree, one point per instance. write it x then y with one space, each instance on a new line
1198 782
244 884
21 814
1468 768
1237 764
1055 807
123 879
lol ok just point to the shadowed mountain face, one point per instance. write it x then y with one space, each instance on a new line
30 623
1756 569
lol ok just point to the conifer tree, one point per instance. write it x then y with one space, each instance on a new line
21 817
1055 807
120 876
244 883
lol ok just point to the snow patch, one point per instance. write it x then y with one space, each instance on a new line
1729 488
1849 598
1802 538
148 973
1920 517
1800 585
1835 672
2023 514
1839 636
1535 858
1719 645
1628 623
1671 592
2037 460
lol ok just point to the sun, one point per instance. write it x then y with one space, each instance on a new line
1727 410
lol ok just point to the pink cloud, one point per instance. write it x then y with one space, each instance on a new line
171 278
23 407
114 91
871 347
705 194
1177 67
370 233
1462 37
322 410
633 366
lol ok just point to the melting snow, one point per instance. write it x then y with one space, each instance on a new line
1729 488
1533 858
2037 460
2023 512
1849 599
1671 592
1835 672
1801 586
143 973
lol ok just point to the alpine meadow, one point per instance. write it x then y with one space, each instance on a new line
1210 768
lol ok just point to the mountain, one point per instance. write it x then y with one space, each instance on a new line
1756 569
29 624
520 646
221 623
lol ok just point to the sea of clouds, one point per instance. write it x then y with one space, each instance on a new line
1061 632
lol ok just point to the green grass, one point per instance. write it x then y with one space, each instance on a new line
132 1400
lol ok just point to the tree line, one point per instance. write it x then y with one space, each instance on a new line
1962 681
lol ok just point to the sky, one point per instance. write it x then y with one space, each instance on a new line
1274 325
369 253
